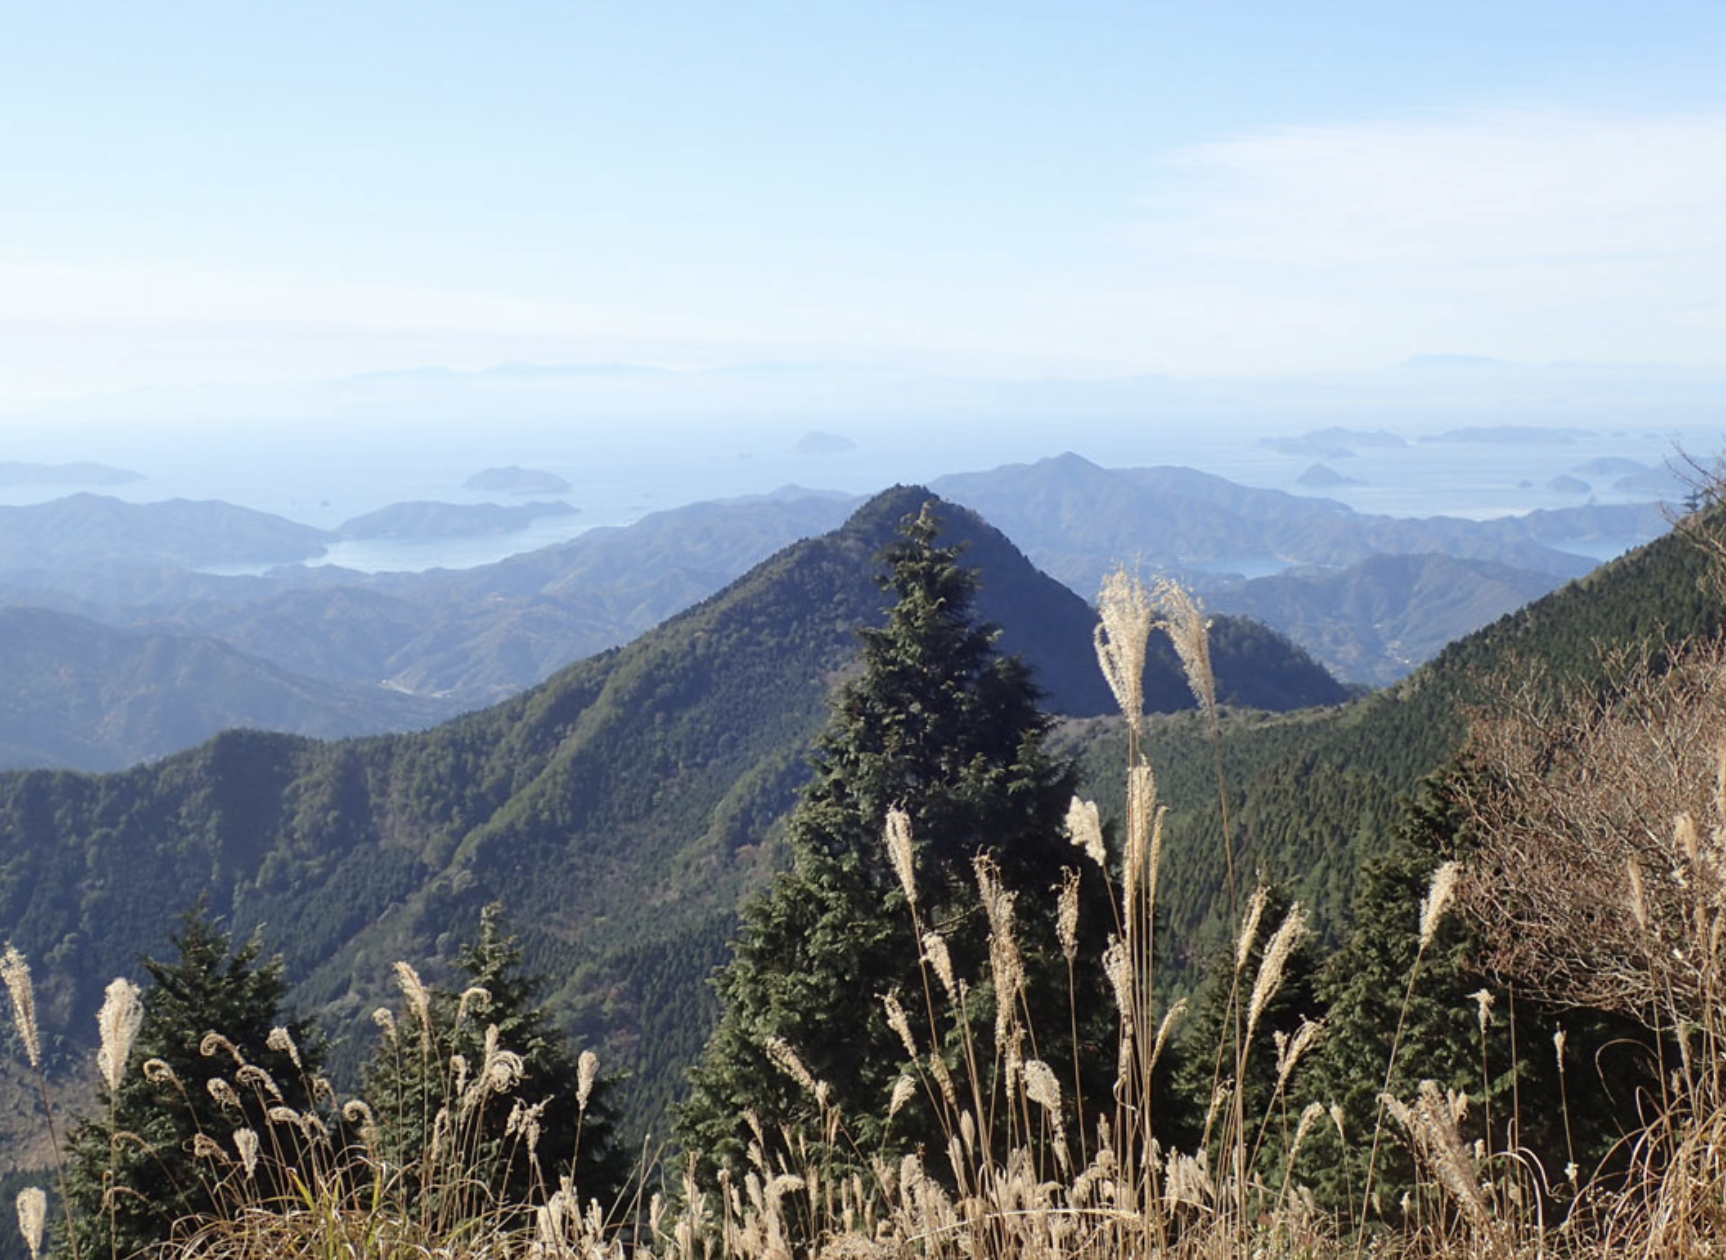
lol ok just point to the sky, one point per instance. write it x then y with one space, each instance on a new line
258 194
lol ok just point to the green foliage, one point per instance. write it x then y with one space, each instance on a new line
133 1167
517 1155
1433 1027
942 728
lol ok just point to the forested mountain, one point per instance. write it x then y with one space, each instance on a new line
619 810
1314 794
87 696
1375 621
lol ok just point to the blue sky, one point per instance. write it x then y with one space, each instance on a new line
264 193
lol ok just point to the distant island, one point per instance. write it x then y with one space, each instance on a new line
1656 481
13 473
424 521
1321 477
1331 443
517 480
817 443
1568 485
1612 466
1511 435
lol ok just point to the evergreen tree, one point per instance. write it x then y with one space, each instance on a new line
1501 1054
141 1141
570 1126
939 726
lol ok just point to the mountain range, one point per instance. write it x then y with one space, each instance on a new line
624 807
621 808
1368 596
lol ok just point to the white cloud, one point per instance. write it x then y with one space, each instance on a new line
1524 232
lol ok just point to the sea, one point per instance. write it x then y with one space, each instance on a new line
323 474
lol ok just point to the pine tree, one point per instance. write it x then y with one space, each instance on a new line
207 1015
565 1113
940 726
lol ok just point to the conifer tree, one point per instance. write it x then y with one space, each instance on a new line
212 1057
565 1114
941 727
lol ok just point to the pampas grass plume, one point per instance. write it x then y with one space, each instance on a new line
119 1019
1125 618
899 850
15 972
1437 899
1277 952
586 1073
32 1216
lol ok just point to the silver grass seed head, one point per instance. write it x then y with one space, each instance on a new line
15 973
282 1042
246 1143
32 1217
898 837
1437 900
1171 1017
419 1000
1043 1087
586 1073
118 1021
1067 914
786 1059
904 1090
213 1043
935 953
1684 830
1085 830
1125 617
1483 1002
1184 619
1118 968
222 1092
1638 893
157 1072
1248 935
900 1023
1277 951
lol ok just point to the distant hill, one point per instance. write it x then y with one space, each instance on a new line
91 529
517 480
80 695
471 637
13 473
1075 520
427 521
621 809
1375 621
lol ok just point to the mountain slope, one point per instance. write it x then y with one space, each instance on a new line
1313 795
620 809
83 529
1375 621
78 694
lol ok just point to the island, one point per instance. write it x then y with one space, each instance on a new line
817 443
1321 477
517 480
1331 443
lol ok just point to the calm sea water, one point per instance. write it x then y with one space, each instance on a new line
322 475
